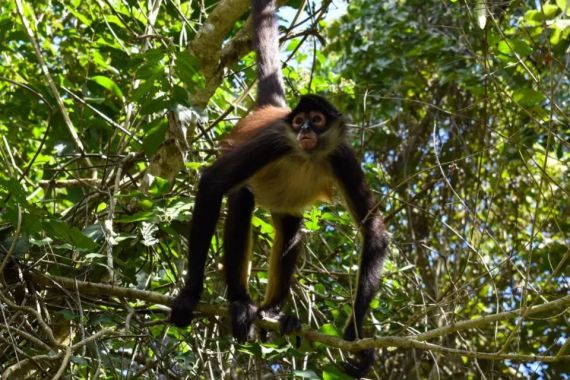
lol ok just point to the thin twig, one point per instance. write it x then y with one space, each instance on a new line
51 83
12 245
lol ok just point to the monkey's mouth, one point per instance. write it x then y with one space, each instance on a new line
307 142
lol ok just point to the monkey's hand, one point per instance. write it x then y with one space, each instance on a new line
288 324
361 362
243 314
182 308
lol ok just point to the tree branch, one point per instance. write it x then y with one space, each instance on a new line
207 45
417 341
68 183
560 303
22 368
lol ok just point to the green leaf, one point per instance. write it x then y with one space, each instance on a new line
188 69
329 329
267 349
527 97
14 188
306 374
179 210
250 349
108 84
145 89
69 234
550 10
150 105
159 186
564 5
136 217
78 15
521 47
154 136
152 65
333 372
67 314
264 227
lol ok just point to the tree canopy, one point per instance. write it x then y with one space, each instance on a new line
459 111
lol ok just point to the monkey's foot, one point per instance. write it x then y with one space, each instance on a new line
182 309
243 314
359 365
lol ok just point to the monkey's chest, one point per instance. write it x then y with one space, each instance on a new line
292 184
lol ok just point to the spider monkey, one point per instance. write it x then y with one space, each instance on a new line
284 160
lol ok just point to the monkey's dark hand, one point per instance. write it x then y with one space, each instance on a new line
182 308
288 324
359 365
361 362
243 314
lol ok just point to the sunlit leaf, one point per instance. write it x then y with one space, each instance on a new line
528 97
108 84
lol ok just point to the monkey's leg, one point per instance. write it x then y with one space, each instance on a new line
372 257
362 205
231 169
282 263
237 247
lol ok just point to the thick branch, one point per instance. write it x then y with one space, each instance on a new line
208 47
94 289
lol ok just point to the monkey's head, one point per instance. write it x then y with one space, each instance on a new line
318 125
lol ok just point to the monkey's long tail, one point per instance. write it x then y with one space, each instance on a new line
270 90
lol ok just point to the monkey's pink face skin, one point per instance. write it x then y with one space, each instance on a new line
307 141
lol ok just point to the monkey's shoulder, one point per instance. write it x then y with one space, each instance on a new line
292 183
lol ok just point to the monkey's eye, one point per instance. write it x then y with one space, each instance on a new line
317 119
298 121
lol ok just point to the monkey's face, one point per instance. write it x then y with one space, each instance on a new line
308 126
317 126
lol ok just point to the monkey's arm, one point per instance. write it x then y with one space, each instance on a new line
229 171
362 205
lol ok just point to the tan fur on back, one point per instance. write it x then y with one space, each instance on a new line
293 183
248 127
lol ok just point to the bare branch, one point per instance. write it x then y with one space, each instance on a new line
69 183
94 289
22 368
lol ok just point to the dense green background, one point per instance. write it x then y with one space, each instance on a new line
460 113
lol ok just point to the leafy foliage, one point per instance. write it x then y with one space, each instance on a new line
460 114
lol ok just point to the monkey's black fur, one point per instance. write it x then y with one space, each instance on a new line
285 170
